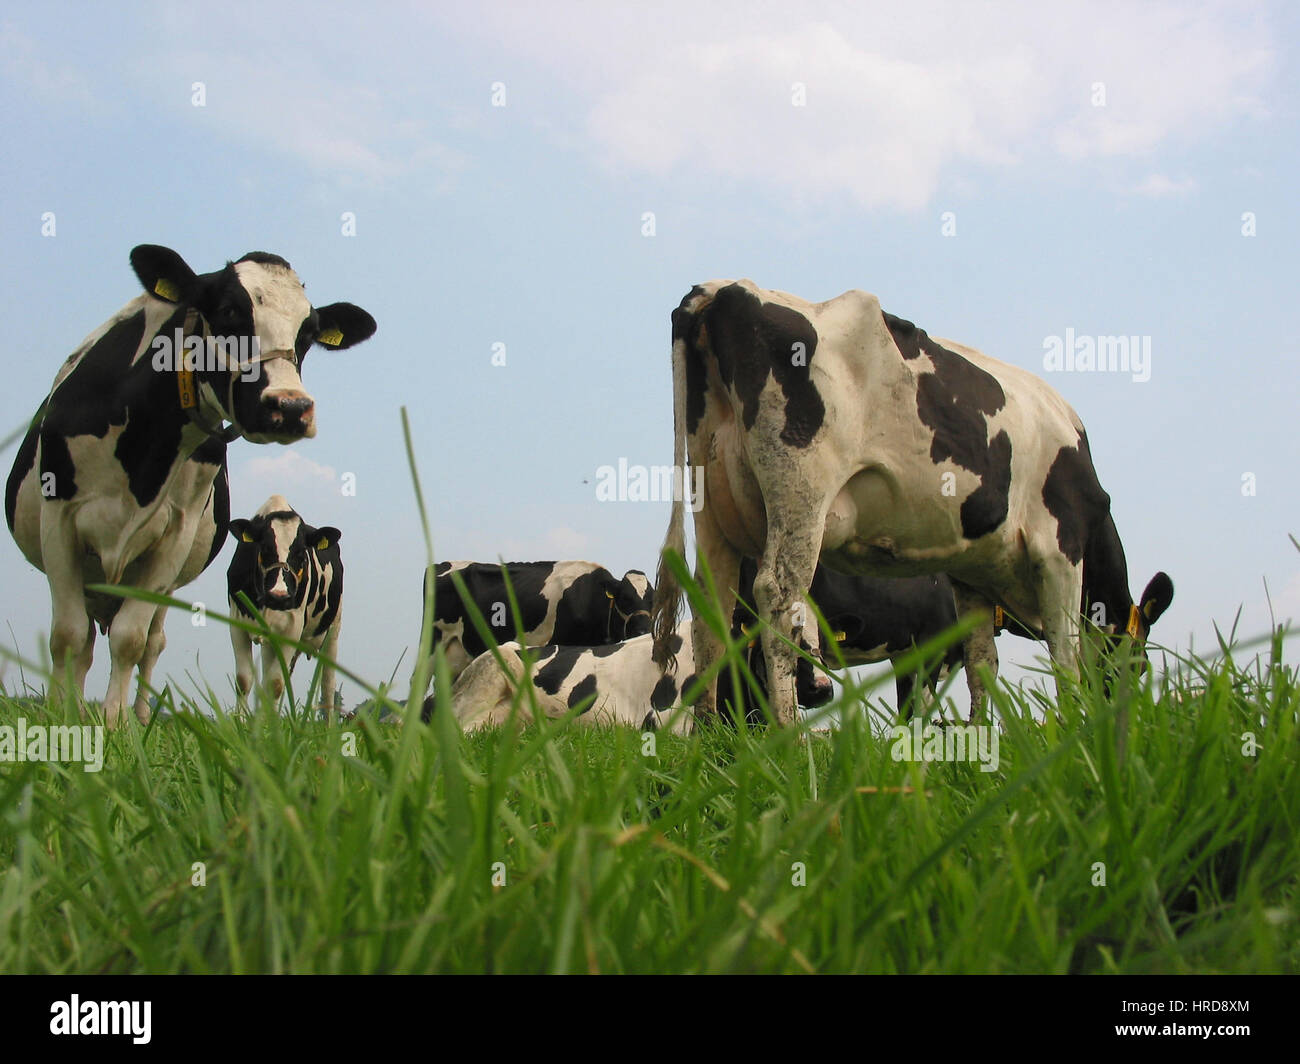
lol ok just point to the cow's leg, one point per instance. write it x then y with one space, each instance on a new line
272 674
785 573
70 627
1060 590
85 658
724 566
128 637
330 650
979 647
242 643
153 647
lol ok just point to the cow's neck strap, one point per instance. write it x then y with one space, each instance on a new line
187 388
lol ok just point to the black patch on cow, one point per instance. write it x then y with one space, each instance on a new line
1105 574
542 653
584 690
264 258
605 650
955 402
664 694
56 462
752 340
486 586
1074 496
23 462
686 326
553 675
585 614
220 495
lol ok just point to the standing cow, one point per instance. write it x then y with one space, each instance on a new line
836 430
567 603
293 574
121 478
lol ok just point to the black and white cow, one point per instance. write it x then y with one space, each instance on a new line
567 603
121 477
876 619
837 430
621 683
293 574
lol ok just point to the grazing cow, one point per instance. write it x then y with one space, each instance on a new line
567 603
121 478
837 430
621 682
293 574
875 619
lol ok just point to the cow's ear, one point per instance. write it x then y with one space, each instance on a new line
323 538
1156 598
342 325
163 273
846 627
239 530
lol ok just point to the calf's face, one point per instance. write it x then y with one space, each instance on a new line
632 602
276 546
259 311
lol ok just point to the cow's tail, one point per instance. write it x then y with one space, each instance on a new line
668 592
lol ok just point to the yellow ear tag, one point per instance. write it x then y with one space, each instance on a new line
246 537
185 387
163 287
1133 626
609 596
841 636
997 616
330 337
298 574
323 544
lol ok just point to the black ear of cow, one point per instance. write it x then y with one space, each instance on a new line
237 526
1156 598
163 273
323 538
342 325
846 627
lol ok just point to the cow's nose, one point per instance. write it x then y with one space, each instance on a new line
295 406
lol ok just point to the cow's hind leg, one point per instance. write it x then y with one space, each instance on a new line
153 648
979 647
723 563
128 638
785 573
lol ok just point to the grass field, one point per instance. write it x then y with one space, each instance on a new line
285 844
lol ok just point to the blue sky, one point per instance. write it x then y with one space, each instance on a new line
1096 161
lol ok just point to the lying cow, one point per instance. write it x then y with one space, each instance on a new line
620 683
293 574
121 478
838 431
566 603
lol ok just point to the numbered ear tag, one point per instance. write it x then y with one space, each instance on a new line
330 337
998 615
323 544
164 288
840 636
246 537
1133 624
186 388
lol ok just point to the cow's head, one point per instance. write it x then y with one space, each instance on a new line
631 604
812 687
258 307
275 544
1116 622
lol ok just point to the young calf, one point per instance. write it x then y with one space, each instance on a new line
628 686
294 575
566 603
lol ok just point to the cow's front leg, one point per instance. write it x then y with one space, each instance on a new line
153 648
272 674
1060 591
329 653
979 647
723 564
242 644
127 639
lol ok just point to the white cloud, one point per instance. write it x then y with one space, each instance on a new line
285 471
896 98
23 62
1160 186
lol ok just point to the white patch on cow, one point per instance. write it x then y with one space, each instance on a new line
280 304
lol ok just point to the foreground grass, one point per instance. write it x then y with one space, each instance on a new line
286 845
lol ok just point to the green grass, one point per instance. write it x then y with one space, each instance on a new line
363 847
